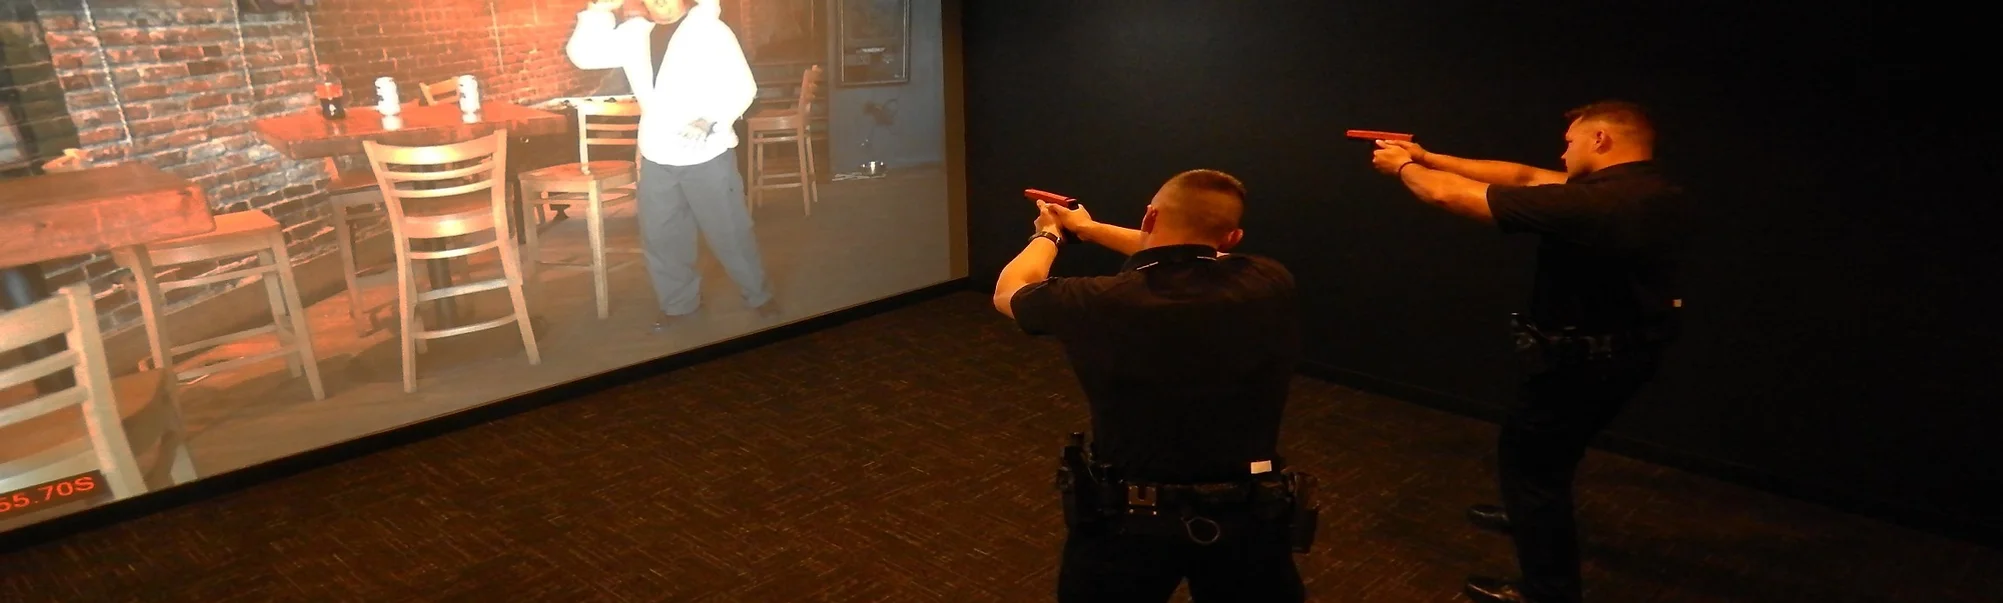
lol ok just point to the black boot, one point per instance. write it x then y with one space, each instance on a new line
1489 517
1493 590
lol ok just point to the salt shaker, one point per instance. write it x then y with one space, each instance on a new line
386 100
469 95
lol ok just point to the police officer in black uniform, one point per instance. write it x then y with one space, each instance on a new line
1185 357
1602 310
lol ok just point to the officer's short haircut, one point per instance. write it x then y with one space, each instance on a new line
1213 201
1210 181
1619 114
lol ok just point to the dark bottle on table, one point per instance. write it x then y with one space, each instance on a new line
333 100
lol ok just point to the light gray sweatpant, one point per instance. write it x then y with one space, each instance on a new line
677 201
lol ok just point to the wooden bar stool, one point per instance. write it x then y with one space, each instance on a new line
236 234
118 423
442 193
781 126
353 196
446 91
596 183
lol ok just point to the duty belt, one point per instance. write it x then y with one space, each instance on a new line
1094 491
1568 344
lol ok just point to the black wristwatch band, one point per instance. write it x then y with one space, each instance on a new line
1054 239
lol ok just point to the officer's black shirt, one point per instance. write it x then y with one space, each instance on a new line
1606 263
1184 356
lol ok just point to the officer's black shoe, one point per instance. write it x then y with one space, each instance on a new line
1493 590
1489 517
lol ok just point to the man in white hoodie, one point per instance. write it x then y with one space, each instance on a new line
693 84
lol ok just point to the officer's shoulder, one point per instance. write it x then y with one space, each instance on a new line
1262 265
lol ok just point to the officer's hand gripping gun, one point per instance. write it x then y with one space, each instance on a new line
1054 199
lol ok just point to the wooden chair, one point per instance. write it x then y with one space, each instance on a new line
445 192
440 92
237 234
354 196
595 183
785 126
117 422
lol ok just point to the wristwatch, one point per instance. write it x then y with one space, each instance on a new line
1054 239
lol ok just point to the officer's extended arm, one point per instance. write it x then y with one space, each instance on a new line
1491 171
1456 194
1032 265
1126 241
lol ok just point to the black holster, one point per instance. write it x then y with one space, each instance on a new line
1079 485
1542 349
1305 516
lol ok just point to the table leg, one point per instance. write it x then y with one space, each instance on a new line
444 312
21 286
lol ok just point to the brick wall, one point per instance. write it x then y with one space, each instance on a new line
178 83
167 83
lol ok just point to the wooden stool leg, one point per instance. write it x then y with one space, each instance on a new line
151 306
276 299
532 256
813 181
806 185
302 329
595 226
344 239
408 320
511 266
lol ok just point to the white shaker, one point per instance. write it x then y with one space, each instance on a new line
469 95
386 101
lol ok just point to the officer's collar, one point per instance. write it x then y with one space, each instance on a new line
1618 170
1168 254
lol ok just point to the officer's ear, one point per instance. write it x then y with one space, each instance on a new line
1231 240
1148 220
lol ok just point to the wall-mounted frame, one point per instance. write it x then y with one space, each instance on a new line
874 42
273 6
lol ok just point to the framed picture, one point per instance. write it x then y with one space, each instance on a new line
270 6
874 42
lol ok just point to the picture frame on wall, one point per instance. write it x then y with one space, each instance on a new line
269 6
873 42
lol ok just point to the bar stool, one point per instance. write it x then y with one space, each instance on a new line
443 197
119 423
236 234
353 196
785 126
596 183
446 91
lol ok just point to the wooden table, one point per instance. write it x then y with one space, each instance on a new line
70 214
307 135
78 213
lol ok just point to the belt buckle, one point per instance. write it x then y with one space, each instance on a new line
1142 496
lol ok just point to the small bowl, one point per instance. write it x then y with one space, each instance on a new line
874 169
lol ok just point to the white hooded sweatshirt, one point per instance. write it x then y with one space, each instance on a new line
704 76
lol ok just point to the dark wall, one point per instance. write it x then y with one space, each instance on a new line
1837 346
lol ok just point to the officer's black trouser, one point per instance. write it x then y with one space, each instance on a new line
1558 414
1144 558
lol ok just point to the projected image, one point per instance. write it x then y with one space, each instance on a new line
220 254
